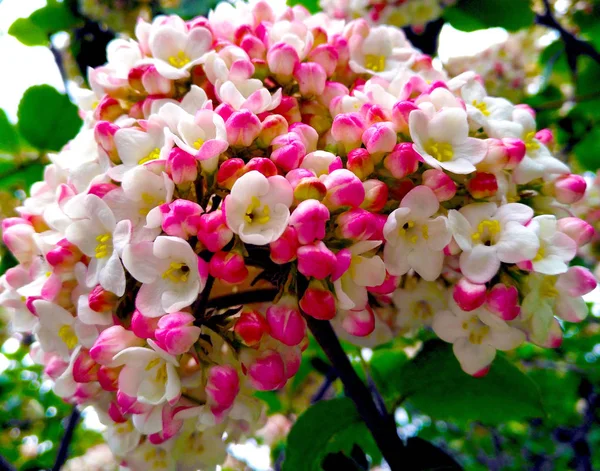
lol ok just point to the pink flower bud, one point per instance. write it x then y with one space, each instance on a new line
101 300
85 370
310 188
442 185
101 189
176 332
400 113
316 260
343 189
181 218
360 163
181 166
109 378
114 412
326 56
108 109
545 136
516 152
482 185
356 224
288 151
306 134
104 134
222 387
577 281
228 267
347 130
309 219
267 371
374 114
272 126
286 324
359 322
569 188
524 107
229 171
376 195
251 327
54 366
318 301
468 296
156 84
110 342
17 235
332 90
577 229
262 165
242 128
379 138
311 78
402 161
389 285
284 249
64 256
282 59
170 426
503 301
213 231
289 109
142 326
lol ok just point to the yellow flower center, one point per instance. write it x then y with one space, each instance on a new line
541 254
104 246
67 335
374 62
125 427
180 60
255 215
547 288
198 143
158 456
531 143
422 310
149 203
177 272
477 330
481 106
486 230
440 151
155 154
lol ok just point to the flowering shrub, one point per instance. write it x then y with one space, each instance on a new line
266 147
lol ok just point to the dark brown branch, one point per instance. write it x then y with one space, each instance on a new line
63 451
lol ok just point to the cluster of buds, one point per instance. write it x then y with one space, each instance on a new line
400 13
267 146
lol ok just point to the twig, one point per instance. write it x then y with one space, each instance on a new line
239 299
330 377
200 309
63 451
58 59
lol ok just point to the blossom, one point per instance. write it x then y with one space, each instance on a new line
171 274
257 209
489 235
415 239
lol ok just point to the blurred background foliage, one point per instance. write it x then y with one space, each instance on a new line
537 409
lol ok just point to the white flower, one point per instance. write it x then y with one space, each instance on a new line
443 141
22 320
417 302
293 33
415 239
176 49
361 269
171 273
384 52
538 161
99 236
248 94
475 335
192 101
482 108
489 235
59 331
556 248
121 437
149 374
257 209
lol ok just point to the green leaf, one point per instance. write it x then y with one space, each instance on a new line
587 150
47 118
385 365
9 138
326 427
272 399
470 15
436 385
54 17
27 32
310 5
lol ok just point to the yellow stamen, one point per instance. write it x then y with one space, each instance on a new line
253 215
180 60
155 154
541 254
151 364
374 62
422 310
177 272
440 151
198 143
104 246
531 143
67 335
425 231
486 229
547 288
481 106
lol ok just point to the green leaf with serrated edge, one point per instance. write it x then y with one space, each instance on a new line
436 385
47 118
322 429
471 15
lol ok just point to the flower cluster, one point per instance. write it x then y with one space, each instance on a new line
401 13
266 147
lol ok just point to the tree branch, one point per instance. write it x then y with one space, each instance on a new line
63 451
239 299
